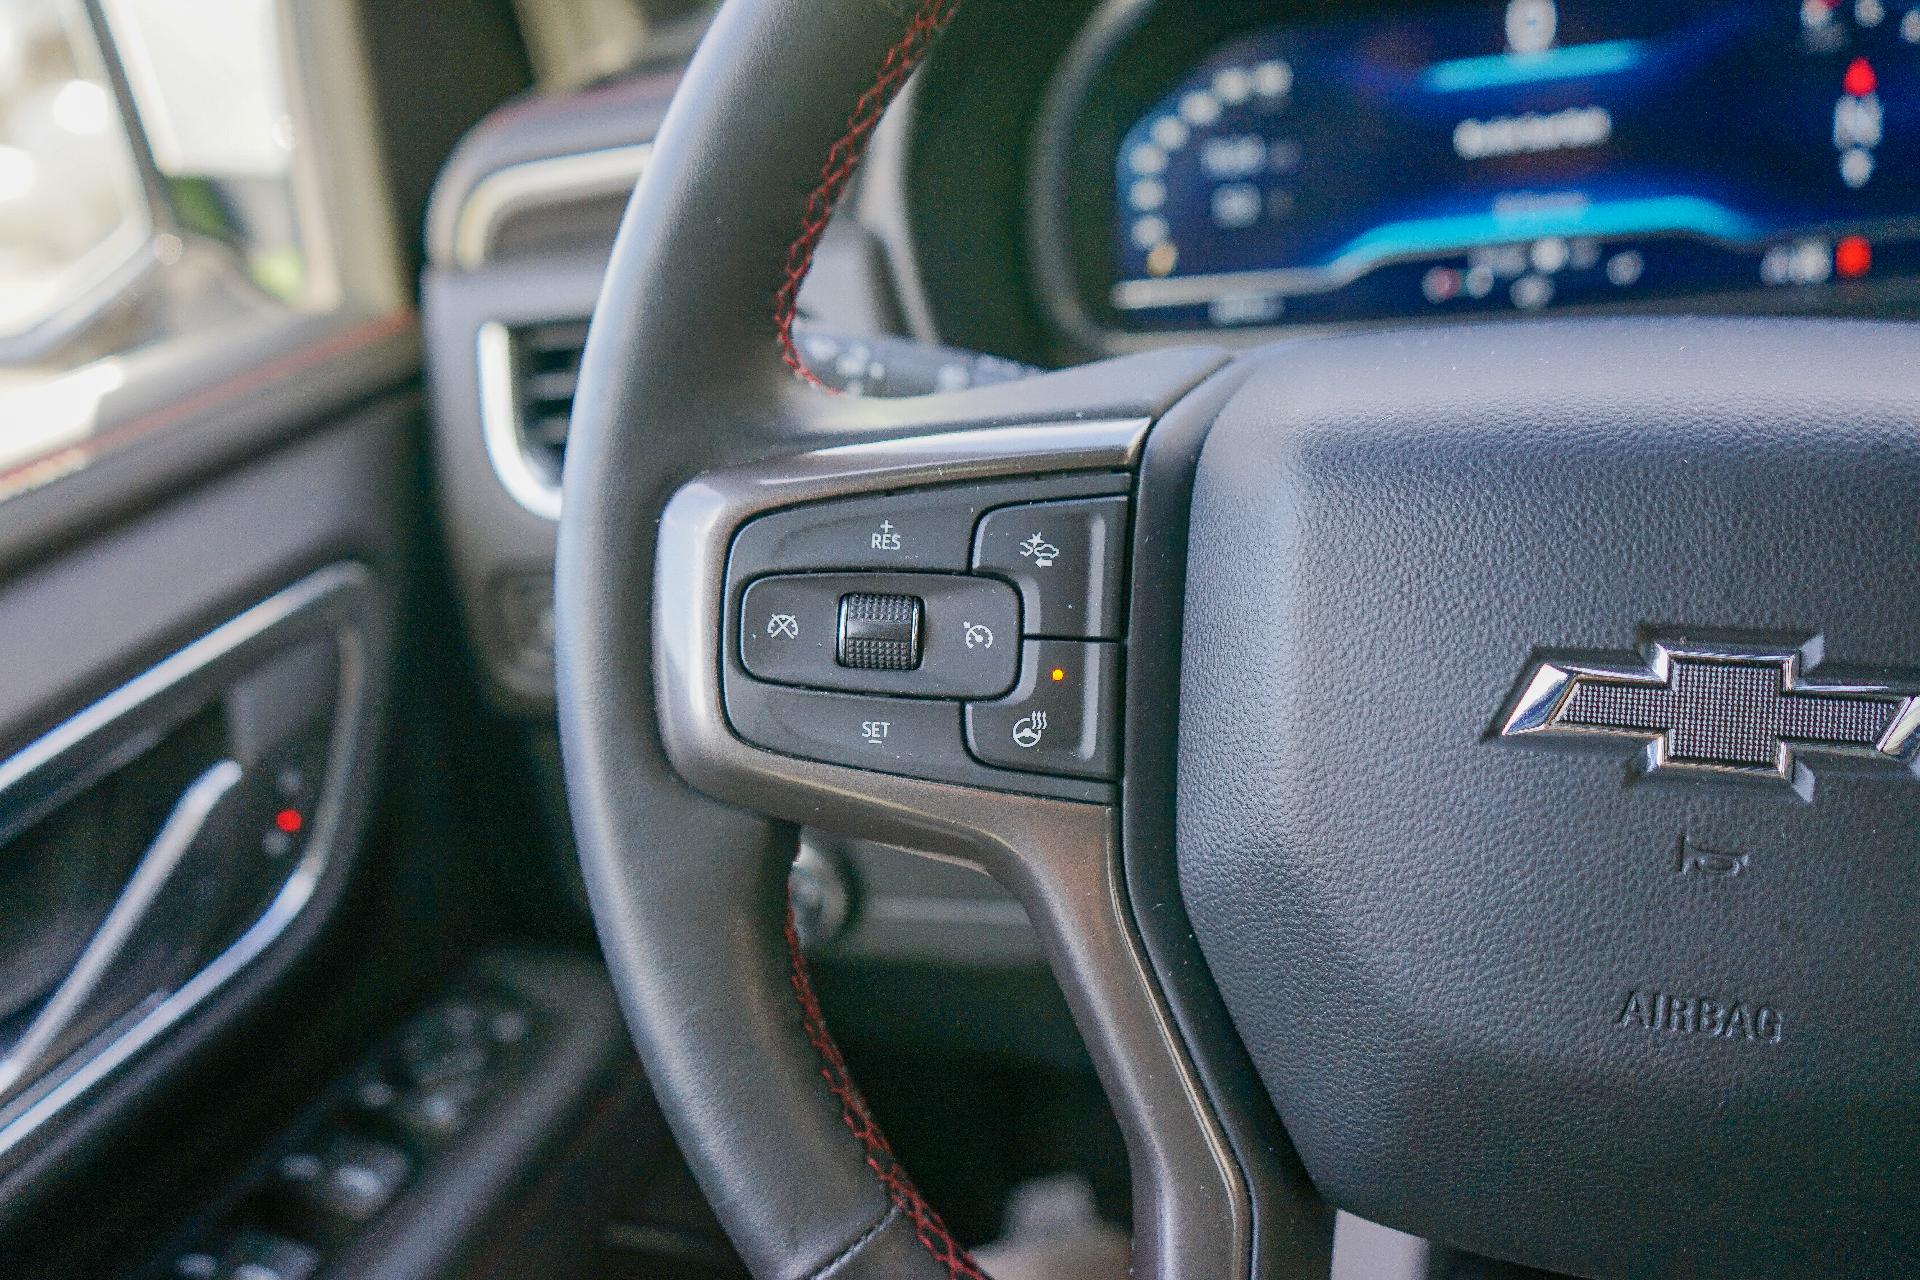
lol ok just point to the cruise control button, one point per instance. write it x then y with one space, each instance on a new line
892 735
788 627
880 632
928 530
1067 558
1063 717
964 637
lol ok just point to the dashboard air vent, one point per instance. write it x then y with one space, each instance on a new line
547 360
527 377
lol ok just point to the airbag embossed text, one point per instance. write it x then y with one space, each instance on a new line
1701 1015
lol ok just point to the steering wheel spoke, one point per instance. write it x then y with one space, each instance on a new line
919 638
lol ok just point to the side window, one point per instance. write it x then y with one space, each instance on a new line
146 176
73 208
157 200
208 83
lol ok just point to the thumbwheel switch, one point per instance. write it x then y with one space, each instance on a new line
879 632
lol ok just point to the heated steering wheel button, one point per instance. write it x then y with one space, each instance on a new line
1061 718
1068 560
879 632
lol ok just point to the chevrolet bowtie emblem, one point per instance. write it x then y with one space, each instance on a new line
1714 710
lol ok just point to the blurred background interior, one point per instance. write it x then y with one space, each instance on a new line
215 220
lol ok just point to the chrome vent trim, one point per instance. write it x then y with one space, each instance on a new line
556 180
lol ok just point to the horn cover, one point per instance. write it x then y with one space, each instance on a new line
1522 993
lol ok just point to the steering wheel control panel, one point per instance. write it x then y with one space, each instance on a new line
968 634
924 634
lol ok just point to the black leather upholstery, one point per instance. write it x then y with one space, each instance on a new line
682 373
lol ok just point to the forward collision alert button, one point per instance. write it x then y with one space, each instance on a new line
1062 716
1068 560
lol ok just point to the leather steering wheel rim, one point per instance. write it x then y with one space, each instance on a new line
690 372
689 365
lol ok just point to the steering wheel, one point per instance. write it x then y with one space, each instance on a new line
1464 776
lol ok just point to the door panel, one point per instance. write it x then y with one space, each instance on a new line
209 489
189 721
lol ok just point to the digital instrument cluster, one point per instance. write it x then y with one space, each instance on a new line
1485 158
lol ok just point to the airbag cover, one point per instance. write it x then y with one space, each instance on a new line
1522 996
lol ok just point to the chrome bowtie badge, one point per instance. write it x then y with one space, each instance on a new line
1727 711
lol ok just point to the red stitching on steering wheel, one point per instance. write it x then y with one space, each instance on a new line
929 20
886 1166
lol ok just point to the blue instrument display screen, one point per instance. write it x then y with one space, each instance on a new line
1481 158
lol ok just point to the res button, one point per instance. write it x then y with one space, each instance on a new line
908 531
1067 558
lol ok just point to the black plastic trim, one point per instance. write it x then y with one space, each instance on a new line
1292 1229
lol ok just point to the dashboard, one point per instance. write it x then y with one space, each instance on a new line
1264 166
